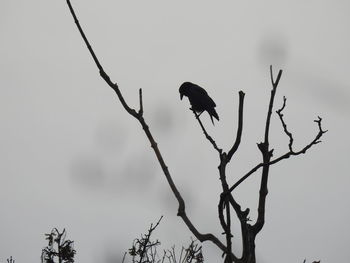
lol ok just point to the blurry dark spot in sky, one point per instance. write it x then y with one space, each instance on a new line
163 119
88 172
323 88
138 172
167 200
111 136
273 50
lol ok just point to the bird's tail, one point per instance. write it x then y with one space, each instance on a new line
214 114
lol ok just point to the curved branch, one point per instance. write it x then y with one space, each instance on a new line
139 117
239 129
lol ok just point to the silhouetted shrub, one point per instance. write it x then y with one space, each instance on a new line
58 249
144 250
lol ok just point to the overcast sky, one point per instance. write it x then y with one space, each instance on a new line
72 158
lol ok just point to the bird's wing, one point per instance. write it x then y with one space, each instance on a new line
201 93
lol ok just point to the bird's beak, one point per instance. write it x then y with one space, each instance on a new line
181 96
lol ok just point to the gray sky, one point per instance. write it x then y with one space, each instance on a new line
71 157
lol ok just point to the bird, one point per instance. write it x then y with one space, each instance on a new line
199 99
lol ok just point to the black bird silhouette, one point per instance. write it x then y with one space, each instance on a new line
199 99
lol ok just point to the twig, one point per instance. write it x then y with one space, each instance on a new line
279 112
123 260
141 103
290 135
209 138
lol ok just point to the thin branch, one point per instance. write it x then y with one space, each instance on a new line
97 62
227 200
224 203
272 98
181 209
243 178
139 117
152 228
141 103
146 240
123 260
103 74
279 112
228 229
275 83
266 155
221 207
209 138
316 140
226 197
239 128
284 156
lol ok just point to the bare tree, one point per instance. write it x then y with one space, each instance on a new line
227 203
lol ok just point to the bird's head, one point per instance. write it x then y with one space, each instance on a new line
184 88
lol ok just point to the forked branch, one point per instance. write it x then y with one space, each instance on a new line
239 130
291 152
266 156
